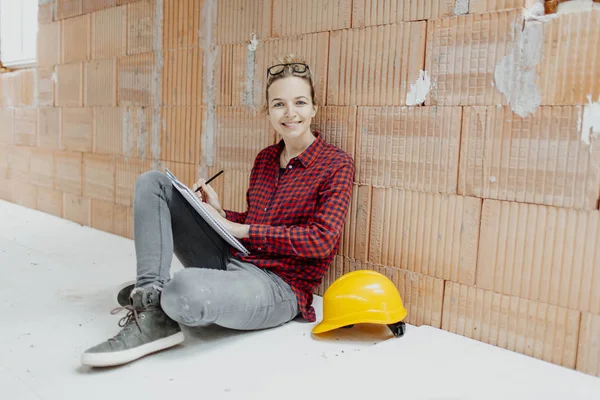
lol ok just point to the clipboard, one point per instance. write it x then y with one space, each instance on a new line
205 214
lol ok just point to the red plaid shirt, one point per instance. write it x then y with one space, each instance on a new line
296 218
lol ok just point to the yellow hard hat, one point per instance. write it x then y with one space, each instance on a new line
362 296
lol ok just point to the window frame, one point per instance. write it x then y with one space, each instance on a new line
18 18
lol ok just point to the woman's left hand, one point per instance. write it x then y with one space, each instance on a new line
239 231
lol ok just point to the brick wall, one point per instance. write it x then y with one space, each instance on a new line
472 125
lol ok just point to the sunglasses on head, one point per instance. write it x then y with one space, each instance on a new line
297 68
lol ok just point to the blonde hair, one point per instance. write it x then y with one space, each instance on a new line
289 71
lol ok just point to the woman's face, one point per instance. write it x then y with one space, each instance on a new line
290 106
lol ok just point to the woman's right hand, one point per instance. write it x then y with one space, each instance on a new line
208 195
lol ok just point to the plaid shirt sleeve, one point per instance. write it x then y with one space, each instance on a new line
234 216
318 238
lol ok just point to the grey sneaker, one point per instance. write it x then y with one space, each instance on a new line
122 295
146 329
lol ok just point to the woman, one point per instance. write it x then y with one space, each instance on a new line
298 198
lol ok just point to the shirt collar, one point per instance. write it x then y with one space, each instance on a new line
308 156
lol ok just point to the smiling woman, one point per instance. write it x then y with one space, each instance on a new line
298 198
291 105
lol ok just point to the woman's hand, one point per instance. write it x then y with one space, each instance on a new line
239 231
208 195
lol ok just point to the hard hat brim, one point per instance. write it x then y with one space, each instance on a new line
390 318
325 327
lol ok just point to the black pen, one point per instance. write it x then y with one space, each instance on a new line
208 181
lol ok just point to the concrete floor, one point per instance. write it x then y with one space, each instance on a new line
56 294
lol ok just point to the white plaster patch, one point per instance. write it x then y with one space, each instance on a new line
589 121
461 7
515 74
127 132
142 135
248 96
534 8
419 89
567 7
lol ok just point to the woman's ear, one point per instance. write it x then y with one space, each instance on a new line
314 111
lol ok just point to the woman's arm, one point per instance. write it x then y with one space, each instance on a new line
234 216
316 239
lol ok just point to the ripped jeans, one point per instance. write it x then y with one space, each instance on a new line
214 287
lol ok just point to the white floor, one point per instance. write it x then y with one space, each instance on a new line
56 293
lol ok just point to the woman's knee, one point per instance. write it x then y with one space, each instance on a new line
186 298
148 183
149 178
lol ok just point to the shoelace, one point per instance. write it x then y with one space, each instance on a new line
131 316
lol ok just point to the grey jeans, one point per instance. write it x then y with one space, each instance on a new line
214 287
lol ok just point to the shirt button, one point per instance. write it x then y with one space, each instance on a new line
290 167
260 248
265 208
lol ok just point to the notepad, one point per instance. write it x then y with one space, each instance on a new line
205 214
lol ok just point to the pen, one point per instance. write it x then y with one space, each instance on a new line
208 181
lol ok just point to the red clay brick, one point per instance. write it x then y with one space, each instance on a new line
238 19
181 134
588 352
415 148
136 74
75 39
182 77
99 177
45 87
77 209
77 129
23 194
567 74
25 126
69 85
19 161
49 127
523 248
108 130
241 135
375 65
382 12
407 228
101 83
109 38
97 5
463 54
49 201
140 27
103 214
503 321
7 118
42 168
68 173
68 8
538 159
48 44
337 126
291 17
181 23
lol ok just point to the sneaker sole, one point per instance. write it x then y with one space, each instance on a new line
125 356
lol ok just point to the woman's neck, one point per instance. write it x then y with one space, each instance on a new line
293 148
